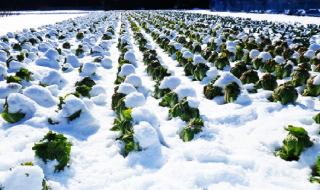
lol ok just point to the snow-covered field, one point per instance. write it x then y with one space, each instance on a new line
33 20
157 100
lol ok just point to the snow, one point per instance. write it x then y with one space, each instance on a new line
316 80
19 22
48 63
198 59
106 63
145 135
260 17
21 103
265 56
126 88
126 69
185 91
53 77
73 60
225 79
279 59
24 177
134 99
170 82
133 79
129 56
40 95
6 89
309 54
193 102
187 54
254 53
212 73
88 69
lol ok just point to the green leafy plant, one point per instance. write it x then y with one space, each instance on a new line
268 82
311 89
194 127
11 117
210 91
315 178
300 77
231 92
54 147
169 100
184 111
285 93
250 76
296 141
200 71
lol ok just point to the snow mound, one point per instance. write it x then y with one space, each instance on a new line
279 59
134 79
24 178
316 80
145 135
52 54
106 63
73 61
170 82
254 53
6 89
40 95
21 103
225 79
97 90
134 99
126 88
193 102
143 114
126 69
185 91
129 56
212 73
198 59
54 77
48 63
88 69
265 56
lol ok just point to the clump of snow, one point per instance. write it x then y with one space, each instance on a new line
265 56
145 135
212 73
48 63
225 79
315 47
106 63
105 44
6 89
88 69
40 95
3 71
54 77
3 56
309 54
316 80
254 53
24 177
16 65
73 60
134 99
187 54
231 46
133 79
126 88
193 102
198 59
279 59
52 54
129 56
170 82
185 91
20 103
96 90
143 114
126 69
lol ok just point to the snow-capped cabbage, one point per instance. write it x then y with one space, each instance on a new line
40 95
54 77
126 69
129 56
143 114
225 79
254 53
9 88
96 90
73 60
20 103
198 59
134 99
106 63
145 135
279 59
185 91
3 56
265 56
16 65
48 63
133 79
52 54
187 55
126 88
170 82
193 102
88 69
309 54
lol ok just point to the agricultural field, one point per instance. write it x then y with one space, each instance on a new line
160 100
